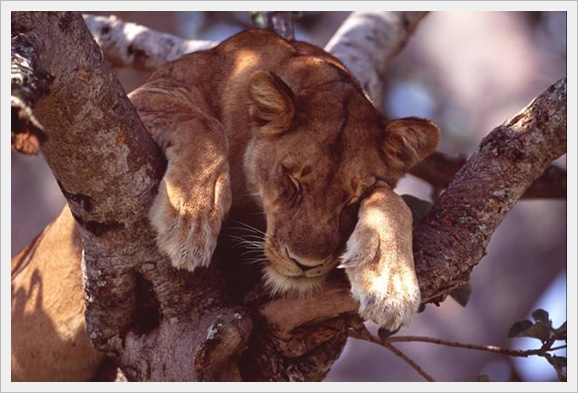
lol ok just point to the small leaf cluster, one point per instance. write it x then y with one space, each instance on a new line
543 330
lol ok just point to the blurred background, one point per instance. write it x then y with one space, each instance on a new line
468 72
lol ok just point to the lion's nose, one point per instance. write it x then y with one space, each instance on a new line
301 266
304 268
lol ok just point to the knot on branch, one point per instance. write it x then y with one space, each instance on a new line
218 355
28 85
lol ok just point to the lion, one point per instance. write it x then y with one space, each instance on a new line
280 128
49 339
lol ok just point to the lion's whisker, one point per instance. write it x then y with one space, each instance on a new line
247 227
255 261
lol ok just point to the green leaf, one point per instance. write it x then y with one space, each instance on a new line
540 315
535 330
560 333
540 331
462 294
519 328
557 361
258 18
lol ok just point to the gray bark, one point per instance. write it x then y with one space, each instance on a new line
134 46
367 41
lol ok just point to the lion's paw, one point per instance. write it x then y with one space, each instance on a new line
390 299
379 262
188 226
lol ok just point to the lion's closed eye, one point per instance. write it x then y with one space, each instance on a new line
295 182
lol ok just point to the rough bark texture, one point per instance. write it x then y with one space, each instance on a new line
96 143
439 170
28 85
196 330
453 237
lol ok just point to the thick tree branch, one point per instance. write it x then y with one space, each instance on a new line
78 151
453 237
130 45
439 170
96 143
367 41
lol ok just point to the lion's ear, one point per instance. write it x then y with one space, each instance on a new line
410 140
271 104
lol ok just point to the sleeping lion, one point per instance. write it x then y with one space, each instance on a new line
274 127
286 125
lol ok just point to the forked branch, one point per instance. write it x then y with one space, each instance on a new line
96 143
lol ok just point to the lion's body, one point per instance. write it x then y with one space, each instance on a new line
280 128
49 340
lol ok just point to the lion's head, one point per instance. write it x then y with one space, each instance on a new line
318 147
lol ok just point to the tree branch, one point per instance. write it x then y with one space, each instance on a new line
453 237
439 170
96 143
383 35
130 45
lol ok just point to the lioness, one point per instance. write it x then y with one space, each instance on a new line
276 127
285 125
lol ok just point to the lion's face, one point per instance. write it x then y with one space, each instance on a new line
315 153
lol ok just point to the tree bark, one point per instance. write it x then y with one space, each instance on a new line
198 330
89 159
134 46
453 237
367 41
439 170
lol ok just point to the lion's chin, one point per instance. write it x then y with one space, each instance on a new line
280 284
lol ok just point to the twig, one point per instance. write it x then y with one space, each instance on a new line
408 360
487 348
359 331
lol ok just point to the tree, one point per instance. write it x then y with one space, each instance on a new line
119 252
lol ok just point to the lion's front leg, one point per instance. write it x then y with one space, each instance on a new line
195 193
379 261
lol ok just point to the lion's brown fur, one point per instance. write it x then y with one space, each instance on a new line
284 122
49 340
